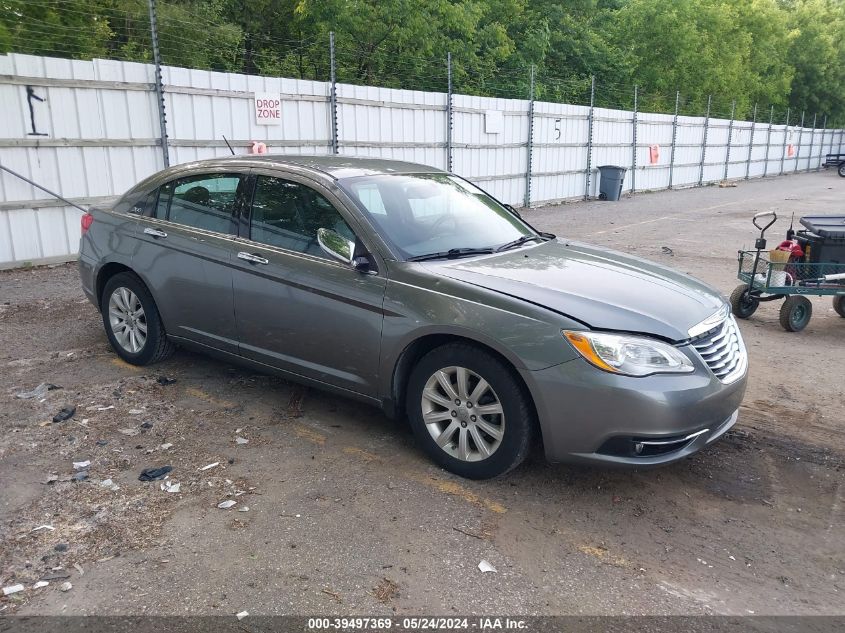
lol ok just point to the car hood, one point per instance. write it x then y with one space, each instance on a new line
603 289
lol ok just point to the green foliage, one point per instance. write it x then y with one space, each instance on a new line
785 53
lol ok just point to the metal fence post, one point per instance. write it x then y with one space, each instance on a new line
821 145
530 144
768 141
674 138
634 144
730 139
449 112
800 138
751 144
783 151
159 87
704 144
812 142
333 93
590 138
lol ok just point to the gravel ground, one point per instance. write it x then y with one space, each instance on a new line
337 511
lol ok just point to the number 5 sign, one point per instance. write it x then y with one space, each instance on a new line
268 108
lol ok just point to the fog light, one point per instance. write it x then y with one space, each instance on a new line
638 447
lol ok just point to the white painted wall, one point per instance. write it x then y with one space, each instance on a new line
98 134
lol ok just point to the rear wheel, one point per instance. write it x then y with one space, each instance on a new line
842 169
743 304
132 322
469 411
795 313
839 305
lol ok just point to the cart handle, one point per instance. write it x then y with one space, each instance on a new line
764 214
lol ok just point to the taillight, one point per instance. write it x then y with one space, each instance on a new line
86 221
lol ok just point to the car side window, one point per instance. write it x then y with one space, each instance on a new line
204 202
288 214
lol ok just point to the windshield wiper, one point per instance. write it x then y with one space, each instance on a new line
451 253
519 242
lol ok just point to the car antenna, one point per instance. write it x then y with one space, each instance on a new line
227 145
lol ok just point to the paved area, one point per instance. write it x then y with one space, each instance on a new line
345 514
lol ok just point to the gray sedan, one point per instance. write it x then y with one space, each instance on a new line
412 289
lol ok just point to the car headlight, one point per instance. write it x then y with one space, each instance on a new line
629 355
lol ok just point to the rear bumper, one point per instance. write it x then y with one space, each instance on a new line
88 277
588 415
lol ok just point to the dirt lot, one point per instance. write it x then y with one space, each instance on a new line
345 514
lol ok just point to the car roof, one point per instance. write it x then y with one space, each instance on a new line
334 166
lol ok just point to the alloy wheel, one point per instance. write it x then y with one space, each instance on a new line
463 414
127 319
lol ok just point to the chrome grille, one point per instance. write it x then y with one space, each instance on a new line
723 351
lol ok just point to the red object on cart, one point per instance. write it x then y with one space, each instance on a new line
792 247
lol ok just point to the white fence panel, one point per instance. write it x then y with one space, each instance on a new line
89 130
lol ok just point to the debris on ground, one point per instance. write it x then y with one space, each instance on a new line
667 251
225 505
8 591
60 547
210 466
241 440
79 569
164 381
151 474
147 425
65 586
484 566
40 584
386 590
108 483
82 475
725 183
65 414
165 446
171 486
136 411
81 465
130 432
241 615
39 392
42 527
243 509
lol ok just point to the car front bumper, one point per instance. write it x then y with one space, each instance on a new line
589 415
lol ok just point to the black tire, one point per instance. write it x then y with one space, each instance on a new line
842 169
157 347
839 305
743 304
795 313
520 420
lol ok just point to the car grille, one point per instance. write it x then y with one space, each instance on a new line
723 351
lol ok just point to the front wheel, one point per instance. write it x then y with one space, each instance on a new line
469 411
133 324
842 169
795 313
839 305
743 303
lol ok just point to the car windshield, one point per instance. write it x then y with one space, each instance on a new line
434 215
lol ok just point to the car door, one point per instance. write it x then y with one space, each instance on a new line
297 308
186 248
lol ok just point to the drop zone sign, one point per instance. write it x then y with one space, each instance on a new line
268 108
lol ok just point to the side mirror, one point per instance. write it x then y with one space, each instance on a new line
335 245
514 211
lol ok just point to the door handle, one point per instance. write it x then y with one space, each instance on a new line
155 232
253 259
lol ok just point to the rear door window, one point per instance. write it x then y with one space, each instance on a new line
205 202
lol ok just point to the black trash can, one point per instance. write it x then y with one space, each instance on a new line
610 184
